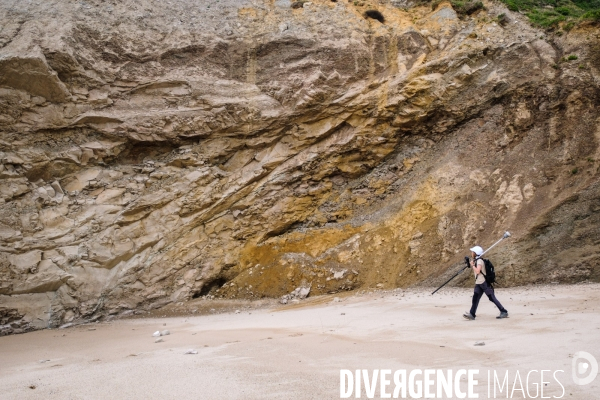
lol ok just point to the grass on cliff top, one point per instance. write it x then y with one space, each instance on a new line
542 13
550 13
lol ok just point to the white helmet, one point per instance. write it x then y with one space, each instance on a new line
477 250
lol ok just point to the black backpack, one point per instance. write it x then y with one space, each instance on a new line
490 275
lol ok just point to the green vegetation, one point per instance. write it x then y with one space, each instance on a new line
572 57
551 13
574 171
503 19
592 14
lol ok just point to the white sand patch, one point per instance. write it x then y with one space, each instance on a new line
296 352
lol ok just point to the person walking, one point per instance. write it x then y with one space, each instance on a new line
481 286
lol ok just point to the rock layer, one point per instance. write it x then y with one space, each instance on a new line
155 152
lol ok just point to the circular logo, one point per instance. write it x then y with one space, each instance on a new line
584 368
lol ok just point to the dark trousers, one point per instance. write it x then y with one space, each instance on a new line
479 291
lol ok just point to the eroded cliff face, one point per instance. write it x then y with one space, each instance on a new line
153 152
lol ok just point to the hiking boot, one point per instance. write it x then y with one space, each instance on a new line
468 316
503 314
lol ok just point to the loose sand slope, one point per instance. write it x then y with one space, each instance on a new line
297 352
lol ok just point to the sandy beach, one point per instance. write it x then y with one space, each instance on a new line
296 351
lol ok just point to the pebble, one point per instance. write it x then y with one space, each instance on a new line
156 334
165 333
479 344
191 351
159 340
237 311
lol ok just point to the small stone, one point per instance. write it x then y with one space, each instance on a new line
303 292
159 340
156 334
191 351
479 344
237 311
165 333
